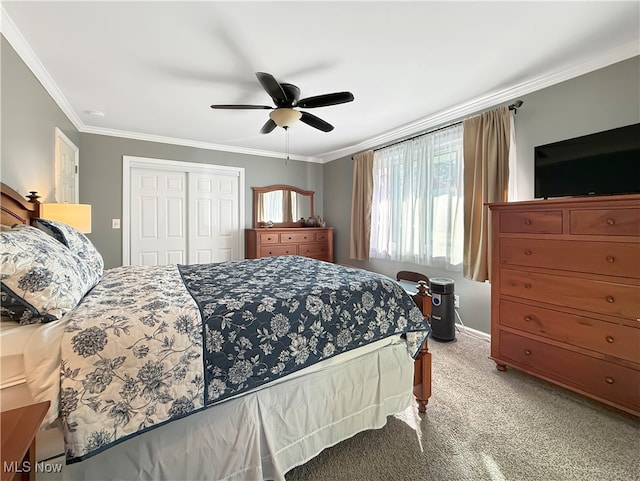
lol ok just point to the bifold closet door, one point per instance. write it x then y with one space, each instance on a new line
183 217
213 233
158 217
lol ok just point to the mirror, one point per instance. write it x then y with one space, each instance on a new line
281 206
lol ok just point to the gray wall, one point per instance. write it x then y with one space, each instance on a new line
29 116
101 180
600 100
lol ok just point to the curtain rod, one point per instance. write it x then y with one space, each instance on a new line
418 135
514 106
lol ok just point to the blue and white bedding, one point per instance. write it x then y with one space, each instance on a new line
151 344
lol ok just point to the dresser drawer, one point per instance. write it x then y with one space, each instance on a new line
313 250
269 238
606 337
278 250
610 258
297 237
611 298
604 379
606 221
538 222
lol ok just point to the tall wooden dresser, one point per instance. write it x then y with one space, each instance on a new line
315 242
565 294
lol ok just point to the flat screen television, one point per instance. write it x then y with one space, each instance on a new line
603 163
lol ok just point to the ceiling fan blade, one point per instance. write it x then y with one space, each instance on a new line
268 127
316 122
273 88
241 107
325 100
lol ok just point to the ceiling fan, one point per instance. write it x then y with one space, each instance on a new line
286 98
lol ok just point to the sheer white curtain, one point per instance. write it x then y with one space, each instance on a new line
417 212
272 206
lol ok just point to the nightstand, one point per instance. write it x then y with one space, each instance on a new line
19 428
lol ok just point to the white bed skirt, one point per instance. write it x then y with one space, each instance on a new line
264 434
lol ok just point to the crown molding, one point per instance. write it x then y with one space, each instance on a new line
196 144
456 113
490 100
28 56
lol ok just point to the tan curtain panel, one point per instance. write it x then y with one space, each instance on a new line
361 196
486 177
287 207
260 208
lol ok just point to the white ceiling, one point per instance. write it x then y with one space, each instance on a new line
154 68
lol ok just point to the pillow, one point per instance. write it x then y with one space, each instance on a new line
16 311
42 274
74 240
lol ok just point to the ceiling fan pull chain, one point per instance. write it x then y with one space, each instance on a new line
286 130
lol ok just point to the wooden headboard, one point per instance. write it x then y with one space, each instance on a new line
16 209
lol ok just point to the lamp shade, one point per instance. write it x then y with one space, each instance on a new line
75 215
284 117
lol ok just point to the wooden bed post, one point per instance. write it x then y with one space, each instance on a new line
422 365
16 209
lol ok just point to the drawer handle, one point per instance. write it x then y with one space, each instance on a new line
610 259
527 252
610 221
609 379
527 352
289 237
610 299
527 221
609 339
527 286
529 317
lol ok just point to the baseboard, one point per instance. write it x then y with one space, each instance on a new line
474 332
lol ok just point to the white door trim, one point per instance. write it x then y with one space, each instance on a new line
129 162
59 136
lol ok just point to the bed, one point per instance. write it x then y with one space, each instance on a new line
239 370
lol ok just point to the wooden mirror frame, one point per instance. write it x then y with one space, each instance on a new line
271 188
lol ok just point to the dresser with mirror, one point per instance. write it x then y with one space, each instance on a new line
284 224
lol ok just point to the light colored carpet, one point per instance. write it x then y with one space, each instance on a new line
482 424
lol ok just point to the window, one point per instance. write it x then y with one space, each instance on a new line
417 213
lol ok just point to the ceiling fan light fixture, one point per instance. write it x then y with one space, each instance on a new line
285 117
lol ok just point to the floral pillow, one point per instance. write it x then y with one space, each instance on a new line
74 240
14 310
41 274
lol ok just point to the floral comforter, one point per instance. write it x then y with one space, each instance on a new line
151 344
